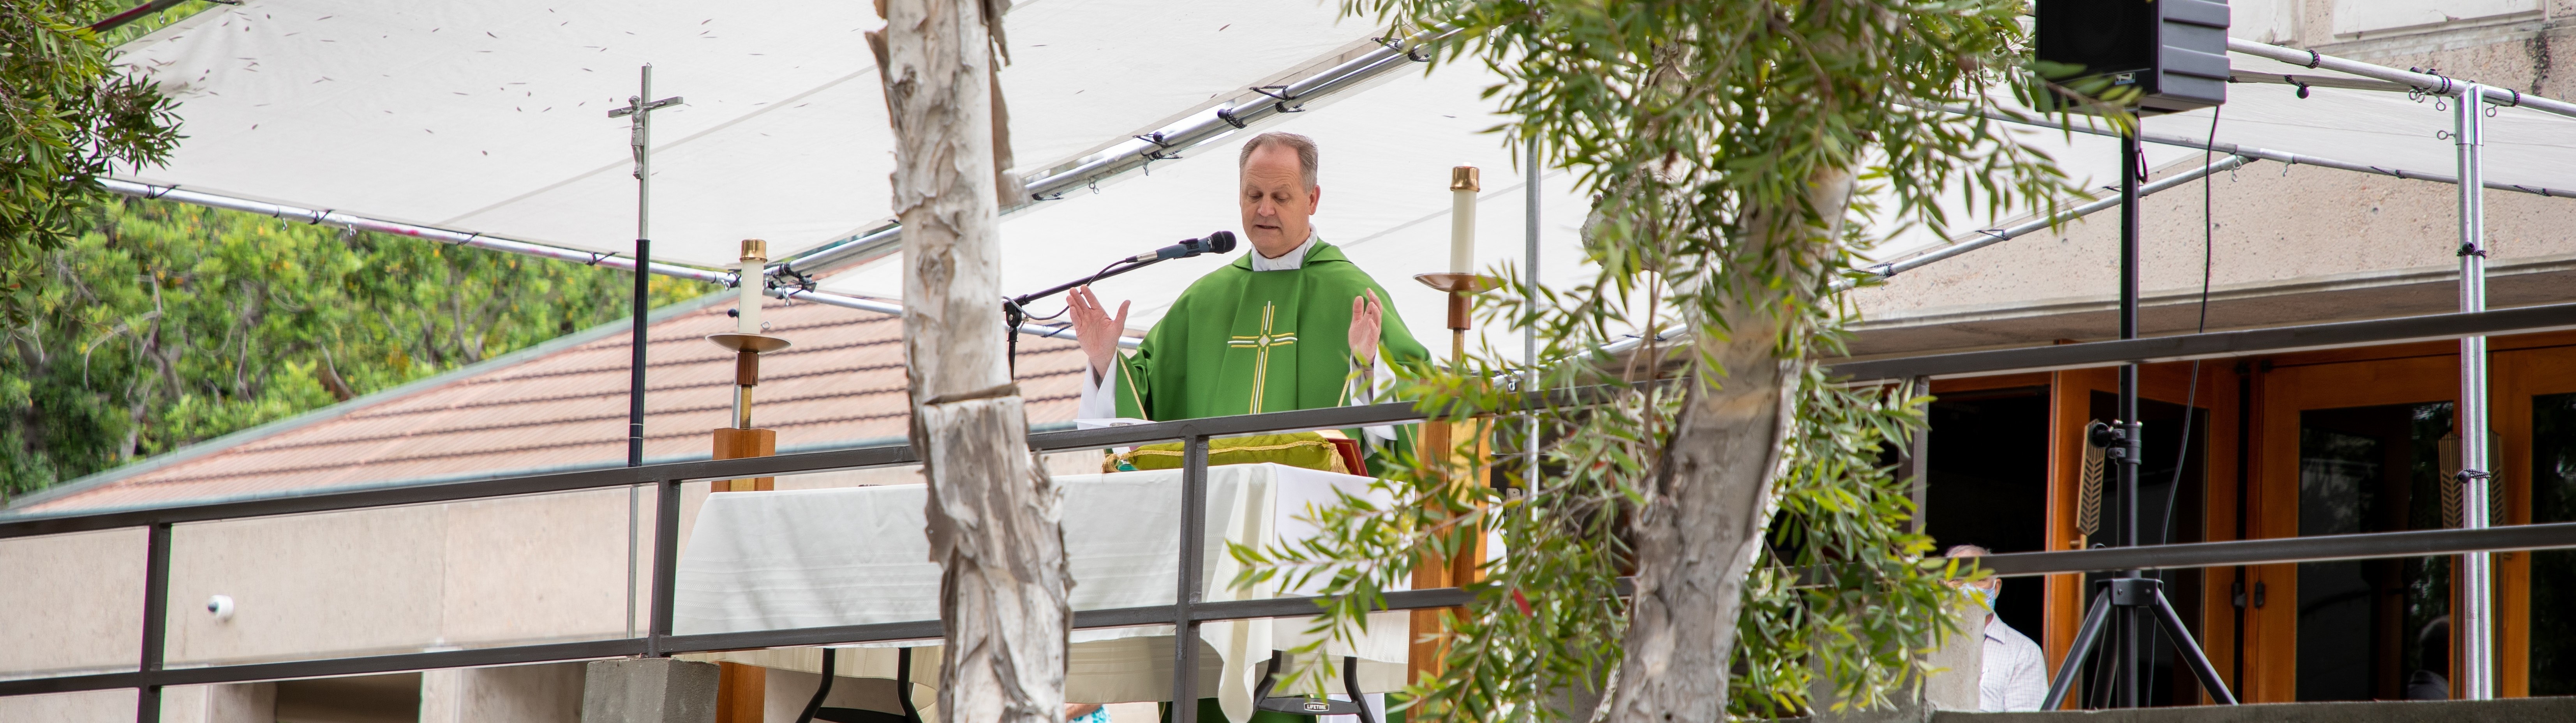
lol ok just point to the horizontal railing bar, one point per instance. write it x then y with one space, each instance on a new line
330 667
2183 347
2322 548
785 464
70 683
2509 538
697 643
461 491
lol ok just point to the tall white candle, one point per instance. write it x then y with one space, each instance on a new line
755 254
1462 219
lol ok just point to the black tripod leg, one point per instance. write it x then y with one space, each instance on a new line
1351 685
2191 652
825 690
903 684
2085 637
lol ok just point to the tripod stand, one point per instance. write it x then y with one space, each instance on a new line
2136 598
2133 597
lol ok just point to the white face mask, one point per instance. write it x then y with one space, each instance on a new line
1986 597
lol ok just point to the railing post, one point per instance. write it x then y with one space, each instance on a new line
1185 631
666 562
156 621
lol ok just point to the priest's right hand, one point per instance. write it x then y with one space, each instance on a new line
1098 331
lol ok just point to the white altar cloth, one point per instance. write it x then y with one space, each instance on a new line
857 555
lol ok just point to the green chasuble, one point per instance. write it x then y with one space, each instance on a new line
1241 341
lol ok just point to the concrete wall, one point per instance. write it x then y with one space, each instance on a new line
548 693
76 602
406 579
243 703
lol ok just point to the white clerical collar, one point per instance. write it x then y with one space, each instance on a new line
1293 260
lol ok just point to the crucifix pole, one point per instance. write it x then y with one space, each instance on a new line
640 141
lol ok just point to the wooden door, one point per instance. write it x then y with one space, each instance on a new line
2523 371
2530 373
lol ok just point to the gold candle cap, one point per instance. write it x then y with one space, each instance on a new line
1463 178
755 250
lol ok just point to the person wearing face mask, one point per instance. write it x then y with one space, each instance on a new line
2015 675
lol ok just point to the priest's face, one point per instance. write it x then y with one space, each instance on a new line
1276 200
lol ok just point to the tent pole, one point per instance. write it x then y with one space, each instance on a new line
523 248
2476 629
640 142
1529 297
1989 237
2266 154
2426 82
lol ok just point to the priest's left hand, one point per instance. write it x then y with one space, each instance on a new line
1367 316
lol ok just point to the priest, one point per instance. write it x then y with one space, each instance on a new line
1293 324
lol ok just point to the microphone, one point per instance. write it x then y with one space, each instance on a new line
1219 242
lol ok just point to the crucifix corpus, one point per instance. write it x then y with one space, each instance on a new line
992 513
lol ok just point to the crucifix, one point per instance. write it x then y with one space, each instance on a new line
640 141
1261 345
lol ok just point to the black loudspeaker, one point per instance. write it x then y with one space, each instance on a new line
2153 56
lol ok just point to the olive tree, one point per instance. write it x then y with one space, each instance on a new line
1738 151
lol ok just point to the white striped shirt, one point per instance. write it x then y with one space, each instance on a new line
2015 674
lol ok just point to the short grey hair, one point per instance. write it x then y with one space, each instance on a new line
1307 158
1968 551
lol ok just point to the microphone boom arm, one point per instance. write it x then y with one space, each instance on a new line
1120 268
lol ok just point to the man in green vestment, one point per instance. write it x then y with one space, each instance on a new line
1291 325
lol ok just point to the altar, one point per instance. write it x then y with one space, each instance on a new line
857 555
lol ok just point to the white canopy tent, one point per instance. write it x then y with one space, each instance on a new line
489 117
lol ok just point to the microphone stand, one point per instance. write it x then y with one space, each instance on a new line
1014 311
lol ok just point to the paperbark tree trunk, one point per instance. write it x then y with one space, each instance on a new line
1697 535
993 513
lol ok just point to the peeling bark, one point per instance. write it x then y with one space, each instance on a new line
1697 535
993 513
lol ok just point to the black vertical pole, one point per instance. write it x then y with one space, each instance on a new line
156 621
1185 628
635 366
666 563
2133 650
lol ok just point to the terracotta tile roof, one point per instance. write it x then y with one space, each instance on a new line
843 381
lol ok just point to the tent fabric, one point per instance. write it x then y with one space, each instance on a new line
491 116
488 116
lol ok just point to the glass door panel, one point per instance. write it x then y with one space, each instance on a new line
2553 572
2372 629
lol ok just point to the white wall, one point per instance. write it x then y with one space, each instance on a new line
2354 17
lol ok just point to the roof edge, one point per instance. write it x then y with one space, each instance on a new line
484 475
191 452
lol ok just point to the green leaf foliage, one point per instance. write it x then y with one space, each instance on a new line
1711 134
67 117
171 324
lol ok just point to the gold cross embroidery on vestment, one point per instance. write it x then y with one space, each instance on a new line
1260 344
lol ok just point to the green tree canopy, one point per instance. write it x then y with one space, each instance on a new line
70 117
171 324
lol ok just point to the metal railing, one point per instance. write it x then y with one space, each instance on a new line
1188 611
